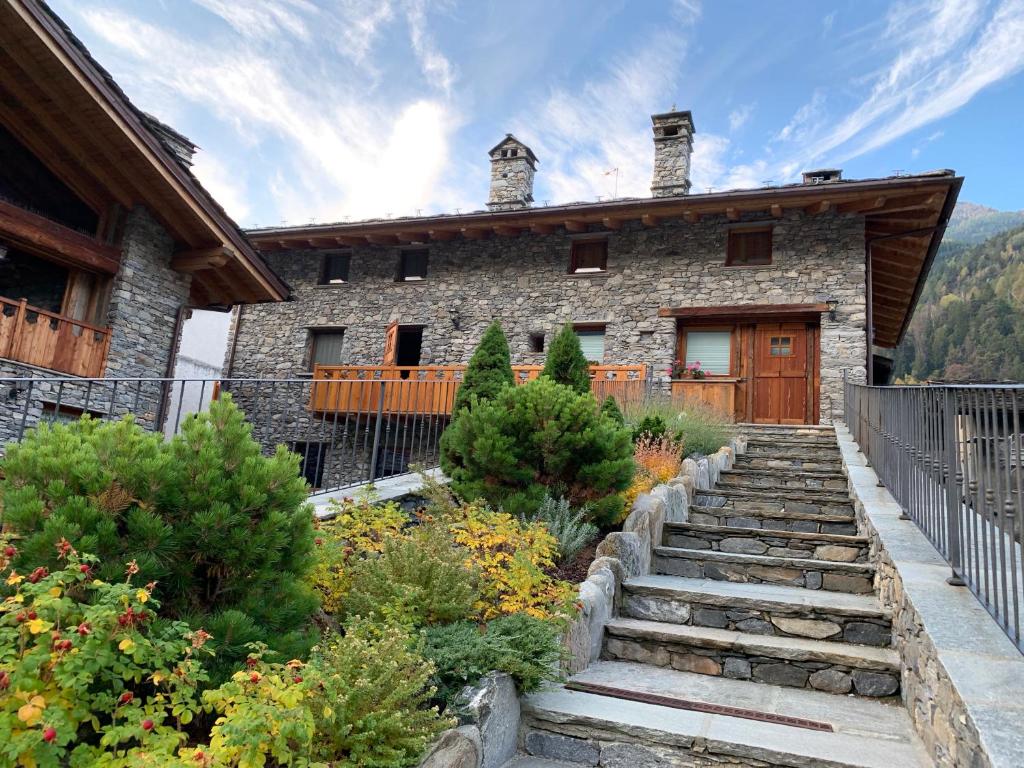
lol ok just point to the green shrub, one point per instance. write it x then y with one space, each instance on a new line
697 427
371 702
489 370
611 410
225 531
569 526
651 427
565 362
416 580
526 648
541 435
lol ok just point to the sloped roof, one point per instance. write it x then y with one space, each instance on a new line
511 140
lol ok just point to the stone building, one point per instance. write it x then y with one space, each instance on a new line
106 237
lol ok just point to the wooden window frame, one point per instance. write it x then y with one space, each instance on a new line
323 278
736 232
574 266
401 276
732 328
311 344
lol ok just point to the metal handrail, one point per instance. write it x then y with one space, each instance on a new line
952 456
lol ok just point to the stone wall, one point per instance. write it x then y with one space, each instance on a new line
524 282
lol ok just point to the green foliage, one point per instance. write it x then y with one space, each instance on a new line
698 428
226 531
489 370
371 702
651 426
416 580
565 362
569 526
527 648
541 435
610 409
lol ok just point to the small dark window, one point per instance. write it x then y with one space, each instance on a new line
588 256
326 347
671 130
536 342
781 346
334 269
749 247
412 265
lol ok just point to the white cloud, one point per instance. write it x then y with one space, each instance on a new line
739 117
225 186
805 120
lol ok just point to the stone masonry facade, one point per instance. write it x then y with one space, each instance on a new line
524 282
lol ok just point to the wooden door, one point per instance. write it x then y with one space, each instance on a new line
391 344
784 363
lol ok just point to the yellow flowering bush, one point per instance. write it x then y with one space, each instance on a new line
657 460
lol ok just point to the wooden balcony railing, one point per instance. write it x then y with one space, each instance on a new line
430 389
34 336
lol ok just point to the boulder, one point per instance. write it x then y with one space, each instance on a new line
456 748
676 505
493 707
628 549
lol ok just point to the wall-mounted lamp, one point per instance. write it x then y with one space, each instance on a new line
833 304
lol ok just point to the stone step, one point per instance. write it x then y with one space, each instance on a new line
749 428
767 541
788 461
526 761
751 514
592 729
794 662
771 481
760 609
856 578
794 496
798 443
794 450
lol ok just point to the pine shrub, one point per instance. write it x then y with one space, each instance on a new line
650 427
565 362
224 530
489 370
569 526
611 410
541 435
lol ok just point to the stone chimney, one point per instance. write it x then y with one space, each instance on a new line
673 143
823 176
512 167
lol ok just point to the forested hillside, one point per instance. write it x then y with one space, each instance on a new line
969 324
972 223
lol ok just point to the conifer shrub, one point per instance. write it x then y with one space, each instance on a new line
611 410
489 370
565 362
224 530
527 648
650 427
534 438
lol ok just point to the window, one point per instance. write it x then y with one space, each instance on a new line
326 347
591 342
334 269
412 265
536 342
588 256
712 349
780 346
749 247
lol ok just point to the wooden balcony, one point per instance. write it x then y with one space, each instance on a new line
45 339
430 389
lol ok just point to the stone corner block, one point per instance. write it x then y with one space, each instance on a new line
628 548
456 748
492 705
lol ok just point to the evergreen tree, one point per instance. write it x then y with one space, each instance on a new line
610 409
538 439
566 364
226 531
489 370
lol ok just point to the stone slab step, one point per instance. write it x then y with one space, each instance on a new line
817 498
794 662
788 461
856 578
526 761
867 733
767 541
749 427
797 442
750 514
765 609
773 481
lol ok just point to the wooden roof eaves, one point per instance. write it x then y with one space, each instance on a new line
77 60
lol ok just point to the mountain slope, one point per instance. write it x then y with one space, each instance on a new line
972 223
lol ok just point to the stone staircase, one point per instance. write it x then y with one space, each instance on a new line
738 648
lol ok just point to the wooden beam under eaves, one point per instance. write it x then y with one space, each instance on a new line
822 206
611 223
732 214
691 217
650 220
542 229
862 206
413 237
475 234
349 241
382 239
442 235
504 231
201 258
572 225
776 211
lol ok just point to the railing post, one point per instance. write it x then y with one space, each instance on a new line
954 517
375 451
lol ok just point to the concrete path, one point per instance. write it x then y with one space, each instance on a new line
383 490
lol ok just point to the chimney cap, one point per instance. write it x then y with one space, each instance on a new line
822 175
511 141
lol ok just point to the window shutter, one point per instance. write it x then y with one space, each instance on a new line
327 348
592 344
749 247
335 268
413 265
711 348
589 255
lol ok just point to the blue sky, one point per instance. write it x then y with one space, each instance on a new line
346 109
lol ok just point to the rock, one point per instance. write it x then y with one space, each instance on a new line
692 662
743 546
874 683
736 668
676 506
710 500
680 566
689 469
803 526
630 651
655 507
866 633
777 575
699 518
456 748
689 542
703 479
627 548
781 674
836 553
812 580
815 629
831 681
841 582
743 522
633 756
557 747
492 705
755 627
653 608
709 617
597 597
612 564
803 506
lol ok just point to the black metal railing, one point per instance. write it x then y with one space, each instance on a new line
951 455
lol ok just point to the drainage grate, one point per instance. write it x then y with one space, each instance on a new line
697 706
